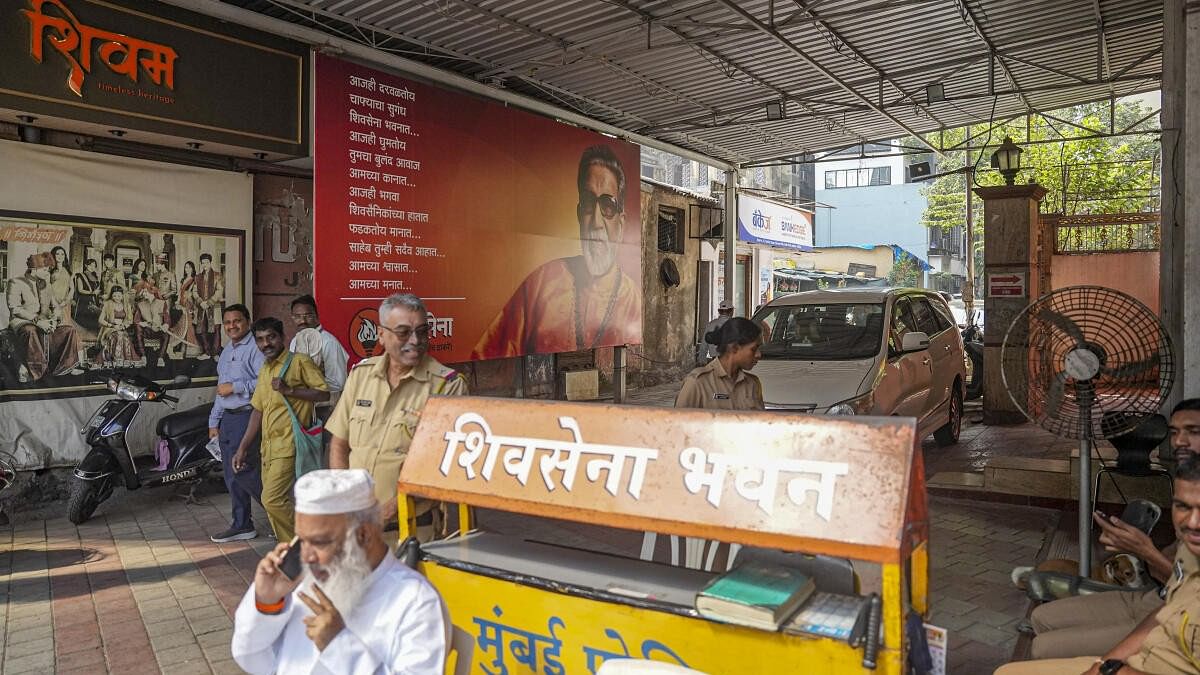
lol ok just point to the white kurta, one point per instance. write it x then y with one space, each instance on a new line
399 626
328 353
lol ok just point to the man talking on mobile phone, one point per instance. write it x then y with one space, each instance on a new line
353 608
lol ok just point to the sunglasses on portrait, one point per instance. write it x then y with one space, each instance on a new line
609 206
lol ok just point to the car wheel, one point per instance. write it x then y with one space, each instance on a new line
948 434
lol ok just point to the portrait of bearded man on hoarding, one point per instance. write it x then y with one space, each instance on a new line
580 302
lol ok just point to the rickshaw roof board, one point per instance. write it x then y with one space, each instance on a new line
817 484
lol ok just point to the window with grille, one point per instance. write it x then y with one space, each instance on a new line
848 178
670 229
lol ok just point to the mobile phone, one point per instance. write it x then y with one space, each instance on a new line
290 566
1142 514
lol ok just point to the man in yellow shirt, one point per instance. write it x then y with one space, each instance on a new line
304 385
373 423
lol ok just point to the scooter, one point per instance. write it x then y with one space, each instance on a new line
182 453
972 337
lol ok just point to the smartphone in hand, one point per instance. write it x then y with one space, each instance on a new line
1142 514
291 560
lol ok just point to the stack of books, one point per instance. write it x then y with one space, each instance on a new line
755 594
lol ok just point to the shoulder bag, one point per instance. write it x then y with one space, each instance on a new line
309 442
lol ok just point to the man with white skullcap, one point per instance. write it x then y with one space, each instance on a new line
353 608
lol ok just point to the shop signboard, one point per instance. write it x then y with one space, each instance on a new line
150 67
478 208
801 477
771 224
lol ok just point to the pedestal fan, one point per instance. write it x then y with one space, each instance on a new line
1077 353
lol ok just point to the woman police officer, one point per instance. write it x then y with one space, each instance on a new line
726 383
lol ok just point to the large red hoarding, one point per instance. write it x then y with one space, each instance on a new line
523 235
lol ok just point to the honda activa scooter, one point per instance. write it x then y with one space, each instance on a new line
181 453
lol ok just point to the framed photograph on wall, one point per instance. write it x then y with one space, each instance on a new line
83 295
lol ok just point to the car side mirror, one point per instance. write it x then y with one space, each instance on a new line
914 342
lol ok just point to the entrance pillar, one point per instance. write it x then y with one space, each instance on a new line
1179 266
1012 277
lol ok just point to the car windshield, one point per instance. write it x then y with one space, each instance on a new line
822 332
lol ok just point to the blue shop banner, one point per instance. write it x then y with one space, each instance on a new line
772 224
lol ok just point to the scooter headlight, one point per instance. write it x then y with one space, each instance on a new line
128 392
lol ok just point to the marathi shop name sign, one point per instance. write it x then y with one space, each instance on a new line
762 472
764 222
116 51
756 479
153 68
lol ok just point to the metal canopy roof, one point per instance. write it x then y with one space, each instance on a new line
700 73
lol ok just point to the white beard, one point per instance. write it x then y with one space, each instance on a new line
347 577
597 255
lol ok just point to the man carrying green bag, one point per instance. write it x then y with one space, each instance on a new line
288 386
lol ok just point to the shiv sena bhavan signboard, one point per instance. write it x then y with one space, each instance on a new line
522 235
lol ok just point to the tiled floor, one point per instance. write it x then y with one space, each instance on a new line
140 589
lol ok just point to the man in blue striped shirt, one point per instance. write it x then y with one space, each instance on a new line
237 373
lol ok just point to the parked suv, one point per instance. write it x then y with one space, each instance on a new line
865 351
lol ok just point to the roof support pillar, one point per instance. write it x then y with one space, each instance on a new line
730 232
1179 261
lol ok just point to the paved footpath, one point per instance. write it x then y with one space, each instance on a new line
141 589
138 589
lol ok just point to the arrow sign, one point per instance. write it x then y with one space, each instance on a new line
1006 285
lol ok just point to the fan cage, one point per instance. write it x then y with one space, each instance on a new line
1137 362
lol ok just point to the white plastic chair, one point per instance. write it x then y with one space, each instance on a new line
643 667
694 553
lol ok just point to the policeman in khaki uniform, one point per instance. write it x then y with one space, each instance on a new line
373 423
1167 642
726 383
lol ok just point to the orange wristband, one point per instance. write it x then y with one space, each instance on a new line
270 609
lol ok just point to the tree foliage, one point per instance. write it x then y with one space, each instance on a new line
905 272
1082 173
